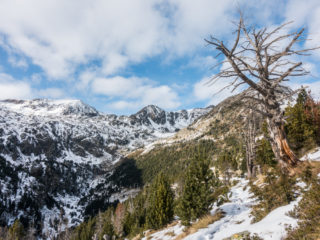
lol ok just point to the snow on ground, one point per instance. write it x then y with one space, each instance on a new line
237 219
124 195
314 156
167 233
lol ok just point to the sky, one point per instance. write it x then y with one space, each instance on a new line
121 55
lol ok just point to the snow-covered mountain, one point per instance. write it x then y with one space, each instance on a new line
63 156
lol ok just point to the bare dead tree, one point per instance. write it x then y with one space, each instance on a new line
249 135
256 59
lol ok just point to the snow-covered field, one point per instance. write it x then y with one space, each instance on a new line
313 156
237 219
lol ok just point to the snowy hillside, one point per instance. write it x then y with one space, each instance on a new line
60 155
237 220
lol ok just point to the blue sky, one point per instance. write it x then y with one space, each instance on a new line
120 55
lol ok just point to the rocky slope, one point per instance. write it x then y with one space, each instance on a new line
64 158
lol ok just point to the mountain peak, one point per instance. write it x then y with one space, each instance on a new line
152 109
47 107
152 112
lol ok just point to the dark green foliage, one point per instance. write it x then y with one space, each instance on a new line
160 210
172 160
135 218
217 128
197 194
130 224
85 230
97 226
307 174
107 229
277 191
227 161
300 128
126 174
220 194
97 205
308 212
231 157
264 154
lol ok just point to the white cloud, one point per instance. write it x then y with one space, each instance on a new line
60 36
124 105
162 96
135 92
85 79
306 14
202 62
119 86
50 93
113 63
315 89
17 62
192 21
13 89
213 93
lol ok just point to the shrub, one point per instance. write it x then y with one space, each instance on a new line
197 194
278 190
160 211
308 212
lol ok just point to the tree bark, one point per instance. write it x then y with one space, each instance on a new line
250 141
280 147
250 167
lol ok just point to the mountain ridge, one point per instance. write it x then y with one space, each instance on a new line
64 155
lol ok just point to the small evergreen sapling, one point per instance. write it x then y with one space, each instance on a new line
161 200
196 198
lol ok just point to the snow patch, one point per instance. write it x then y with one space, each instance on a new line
238 219
314 156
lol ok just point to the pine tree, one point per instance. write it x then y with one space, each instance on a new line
300 128
264 154
107 230
16 231
226 163
135 217
196 198
160 211
85 230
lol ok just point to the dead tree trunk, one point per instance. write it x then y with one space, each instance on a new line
258 60
278 139
250 142
280 146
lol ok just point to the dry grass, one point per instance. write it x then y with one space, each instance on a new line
172 224
315 167
171 234
135 153
137 237
202 223
152 231
260 180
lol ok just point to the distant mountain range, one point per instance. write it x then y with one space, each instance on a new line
60 157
